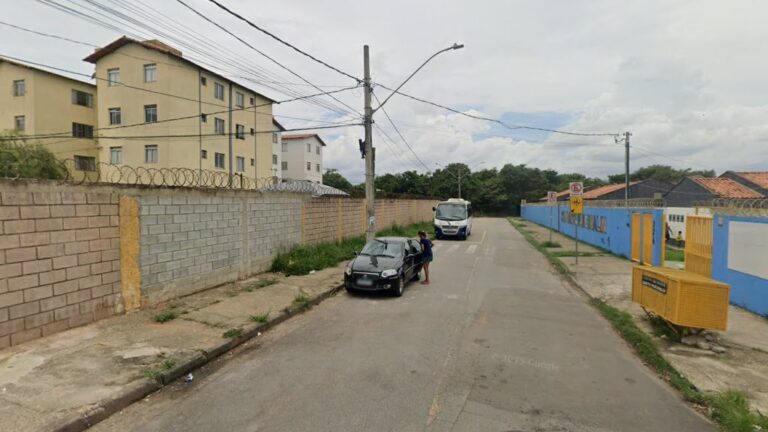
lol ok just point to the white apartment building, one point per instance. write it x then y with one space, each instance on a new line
302 157
277 152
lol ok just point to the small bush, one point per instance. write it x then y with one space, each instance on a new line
165 316
551 244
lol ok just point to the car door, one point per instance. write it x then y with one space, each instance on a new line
407 261
417 256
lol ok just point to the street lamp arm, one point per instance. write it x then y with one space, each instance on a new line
454 47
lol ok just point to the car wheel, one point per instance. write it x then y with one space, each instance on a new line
398 291
350 290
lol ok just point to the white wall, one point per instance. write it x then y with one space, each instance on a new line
682 213
748 248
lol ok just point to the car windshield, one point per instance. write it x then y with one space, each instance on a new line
383 248
451 212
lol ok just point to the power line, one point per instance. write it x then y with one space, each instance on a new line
260 52
492 120
273 36
400 134
38 137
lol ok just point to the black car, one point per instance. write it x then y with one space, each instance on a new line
384 264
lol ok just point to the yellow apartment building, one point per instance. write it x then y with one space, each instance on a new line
157 109
37 102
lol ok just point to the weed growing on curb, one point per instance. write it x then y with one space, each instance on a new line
302 301
551 244
261 283
261 318
165 316
731 409
169 364
233 333
151 374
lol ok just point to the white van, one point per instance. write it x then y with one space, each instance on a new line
453 218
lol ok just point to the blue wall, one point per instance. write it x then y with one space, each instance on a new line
607 228
747 291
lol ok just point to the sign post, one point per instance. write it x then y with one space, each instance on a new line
552 201
576 199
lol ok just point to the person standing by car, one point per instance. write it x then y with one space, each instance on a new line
426 250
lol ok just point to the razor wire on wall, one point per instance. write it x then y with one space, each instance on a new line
739 207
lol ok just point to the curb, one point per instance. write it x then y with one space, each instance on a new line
145 387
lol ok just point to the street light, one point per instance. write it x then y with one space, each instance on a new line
370 170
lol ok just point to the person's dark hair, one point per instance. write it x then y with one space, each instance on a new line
422 234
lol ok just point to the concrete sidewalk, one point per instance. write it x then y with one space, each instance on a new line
72 379
744 366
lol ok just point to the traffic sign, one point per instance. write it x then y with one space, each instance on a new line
576 188
551 197
577 204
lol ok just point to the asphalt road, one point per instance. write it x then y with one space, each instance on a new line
497 343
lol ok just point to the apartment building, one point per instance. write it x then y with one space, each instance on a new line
277 152
302 157
34 101
158 109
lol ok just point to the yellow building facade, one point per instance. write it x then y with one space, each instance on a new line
35 102
157 109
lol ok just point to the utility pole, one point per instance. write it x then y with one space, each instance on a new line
370 190
459 184
626 169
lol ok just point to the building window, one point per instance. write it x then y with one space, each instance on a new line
204 118
274 137
82 131
309 166
239 131
240 164
285 147
239 100
115 155
253 102
115 116
82 98
150 113
284 165
218 126
253 162
253 131
150 73
150 153
113 77
85 163
203 154
317 150
218 91
309 148
317 167
20 123
274 159
19 88
218 160
203 80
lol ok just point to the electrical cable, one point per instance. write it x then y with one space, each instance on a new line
400 134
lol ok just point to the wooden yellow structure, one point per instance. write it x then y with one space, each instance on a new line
682 298
698 245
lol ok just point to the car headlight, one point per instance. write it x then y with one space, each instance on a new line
348 271
388 273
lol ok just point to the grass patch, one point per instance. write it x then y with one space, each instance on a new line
675 254
303 259
551 244
261 283
165 316
151 374
302 301
731 409
573 254
169 364
233 333
261 318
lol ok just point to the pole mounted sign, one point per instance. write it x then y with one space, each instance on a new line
551 197
576 199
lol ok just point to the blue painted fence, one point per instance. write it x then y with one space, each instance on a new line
606 228
747 290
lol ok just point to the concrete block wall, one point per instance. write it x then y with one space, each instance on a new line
59 259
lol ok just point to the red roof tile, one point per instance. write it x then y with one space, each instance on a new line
726 188
759 178
604 190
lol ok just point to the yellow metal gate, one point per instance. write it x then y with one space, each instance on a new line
698 245
642 238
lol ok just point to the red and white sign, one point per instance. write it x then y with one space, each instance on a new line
576 188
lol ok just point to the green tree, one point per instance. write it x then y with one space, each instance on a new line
663 173
19 159
333 178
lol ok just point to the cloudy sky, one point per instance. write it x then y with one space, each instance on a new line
686 78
